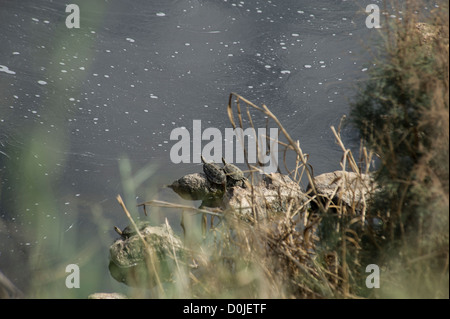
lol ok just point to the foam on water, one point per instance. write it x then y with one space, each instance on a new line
118 86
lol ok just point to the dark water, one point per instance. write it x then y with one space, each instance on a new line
76 103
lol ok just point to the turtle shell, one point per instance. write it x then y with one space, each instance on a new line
232 171
214 172
131 231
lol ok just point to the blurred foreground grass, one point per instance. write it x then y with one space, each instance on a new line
402 115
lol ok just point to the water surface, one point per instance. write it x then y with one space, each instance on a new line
75 103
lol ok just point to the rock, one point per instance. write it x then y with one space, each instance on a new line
427 32
345 187
276 181
429 35
195 187
106 295
276 193
128 254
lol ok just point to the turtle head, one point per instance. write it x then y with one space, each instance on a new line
203 159
117 229
224 161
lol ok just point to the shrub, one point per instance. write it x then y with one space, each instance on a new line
402 114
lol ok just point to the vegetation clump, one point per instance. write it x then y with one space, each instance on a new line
402 114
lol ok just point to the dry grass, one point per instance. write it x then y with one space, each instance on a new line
276 257
402 114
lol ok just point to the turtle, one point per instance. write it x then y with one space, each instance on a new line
130 231
127 255
235 177
195 187
214 173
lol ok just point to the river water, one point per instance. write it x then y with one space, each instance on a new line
84 111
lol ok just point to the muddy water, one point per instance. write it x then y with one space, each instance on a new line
83 110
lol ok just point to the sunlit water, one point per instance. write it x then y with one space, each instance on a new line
75 101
